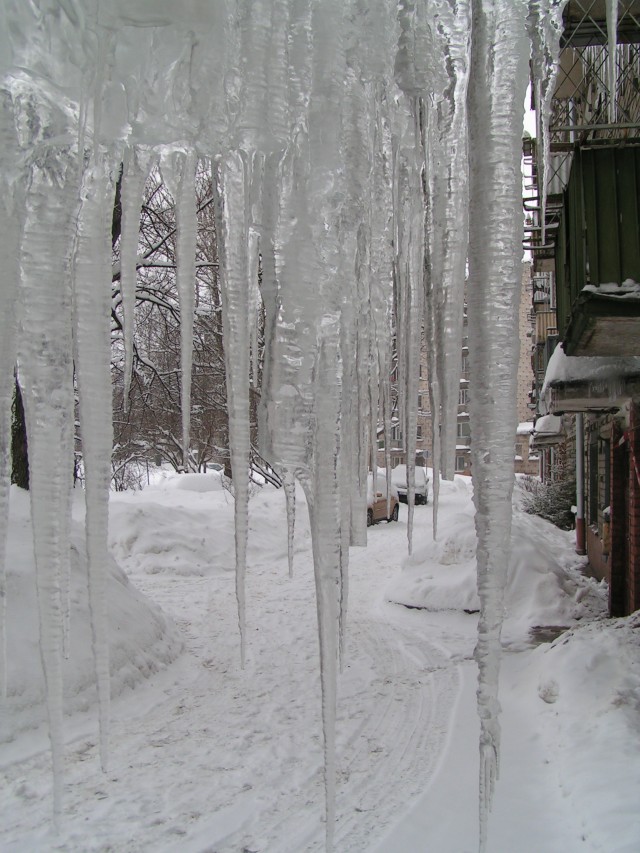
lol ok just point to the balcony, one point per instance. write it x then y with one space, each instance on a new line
598 254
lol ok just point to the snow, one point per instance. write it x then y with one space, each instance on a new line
548 425
524 428
338 142
208 756
563 368
629 289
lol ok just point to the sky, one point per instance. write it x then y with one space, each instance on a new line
206 756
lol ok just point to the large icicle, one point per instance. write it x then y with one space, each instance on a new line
612 59
409 230
230 179
545 28
136 166
12 207
92 312
445 124
496 96
179 172
45 370
289 486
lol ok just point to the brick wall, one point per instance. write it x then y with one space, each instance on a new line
619 510
633 572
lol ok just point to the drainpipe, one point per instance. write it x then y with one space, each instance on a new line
580 533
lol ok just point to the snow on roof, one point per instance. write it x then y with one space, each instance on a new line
564 368
629 289
524 428
548 425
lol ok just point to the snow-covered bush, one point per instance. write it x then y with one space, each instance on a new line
552 500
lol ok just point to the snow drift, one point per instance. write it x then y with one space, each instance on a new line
544 587
142 639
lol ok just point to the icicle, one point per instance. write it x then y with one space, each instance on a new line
45 364
612 59
92 311
545 28
136 167
324 506
409 284
179 172
447 180
496 97
289 485
11 205
230 179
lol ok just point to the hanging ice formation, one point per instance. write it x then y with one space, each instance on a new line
496 95
544 25
341 135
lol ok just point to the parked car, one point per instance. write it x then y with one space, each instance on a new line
399 480
378 507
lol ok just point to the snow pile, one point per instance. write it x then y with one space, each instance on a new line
588 681
547 425
629 289
142 640
544 585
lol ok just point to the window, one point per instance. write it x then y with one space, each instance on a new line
419 402
464 429
463 397
460 460
465 363
419 432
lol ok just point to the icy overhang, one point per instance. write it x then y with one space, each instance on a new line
589 383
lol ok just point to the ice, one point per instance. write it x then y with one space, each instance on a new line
45 372
612 59
92 302
496 94
289 486
545 28
409 272
137 162
446 203
12 215
339 134
179 172
230 179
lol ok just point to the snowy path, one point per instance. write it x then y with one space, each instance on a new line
207 758
210 757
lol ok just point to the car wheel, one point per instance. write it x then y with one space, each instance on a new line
394 514
369 517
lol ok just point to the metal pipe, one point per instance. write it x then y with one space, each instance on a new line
580 530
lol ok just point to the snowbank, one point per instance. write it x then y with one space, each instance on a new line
545 584
588 686
142 639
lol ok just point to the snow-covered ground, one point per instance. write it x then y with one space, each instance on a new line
208 757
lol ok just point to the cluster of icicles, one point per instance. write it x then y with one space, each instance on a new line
365 152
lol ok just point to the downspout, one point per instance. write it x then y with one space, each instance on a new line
580 532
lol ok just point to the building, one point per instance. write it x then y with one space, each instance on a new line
526 460
586 301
